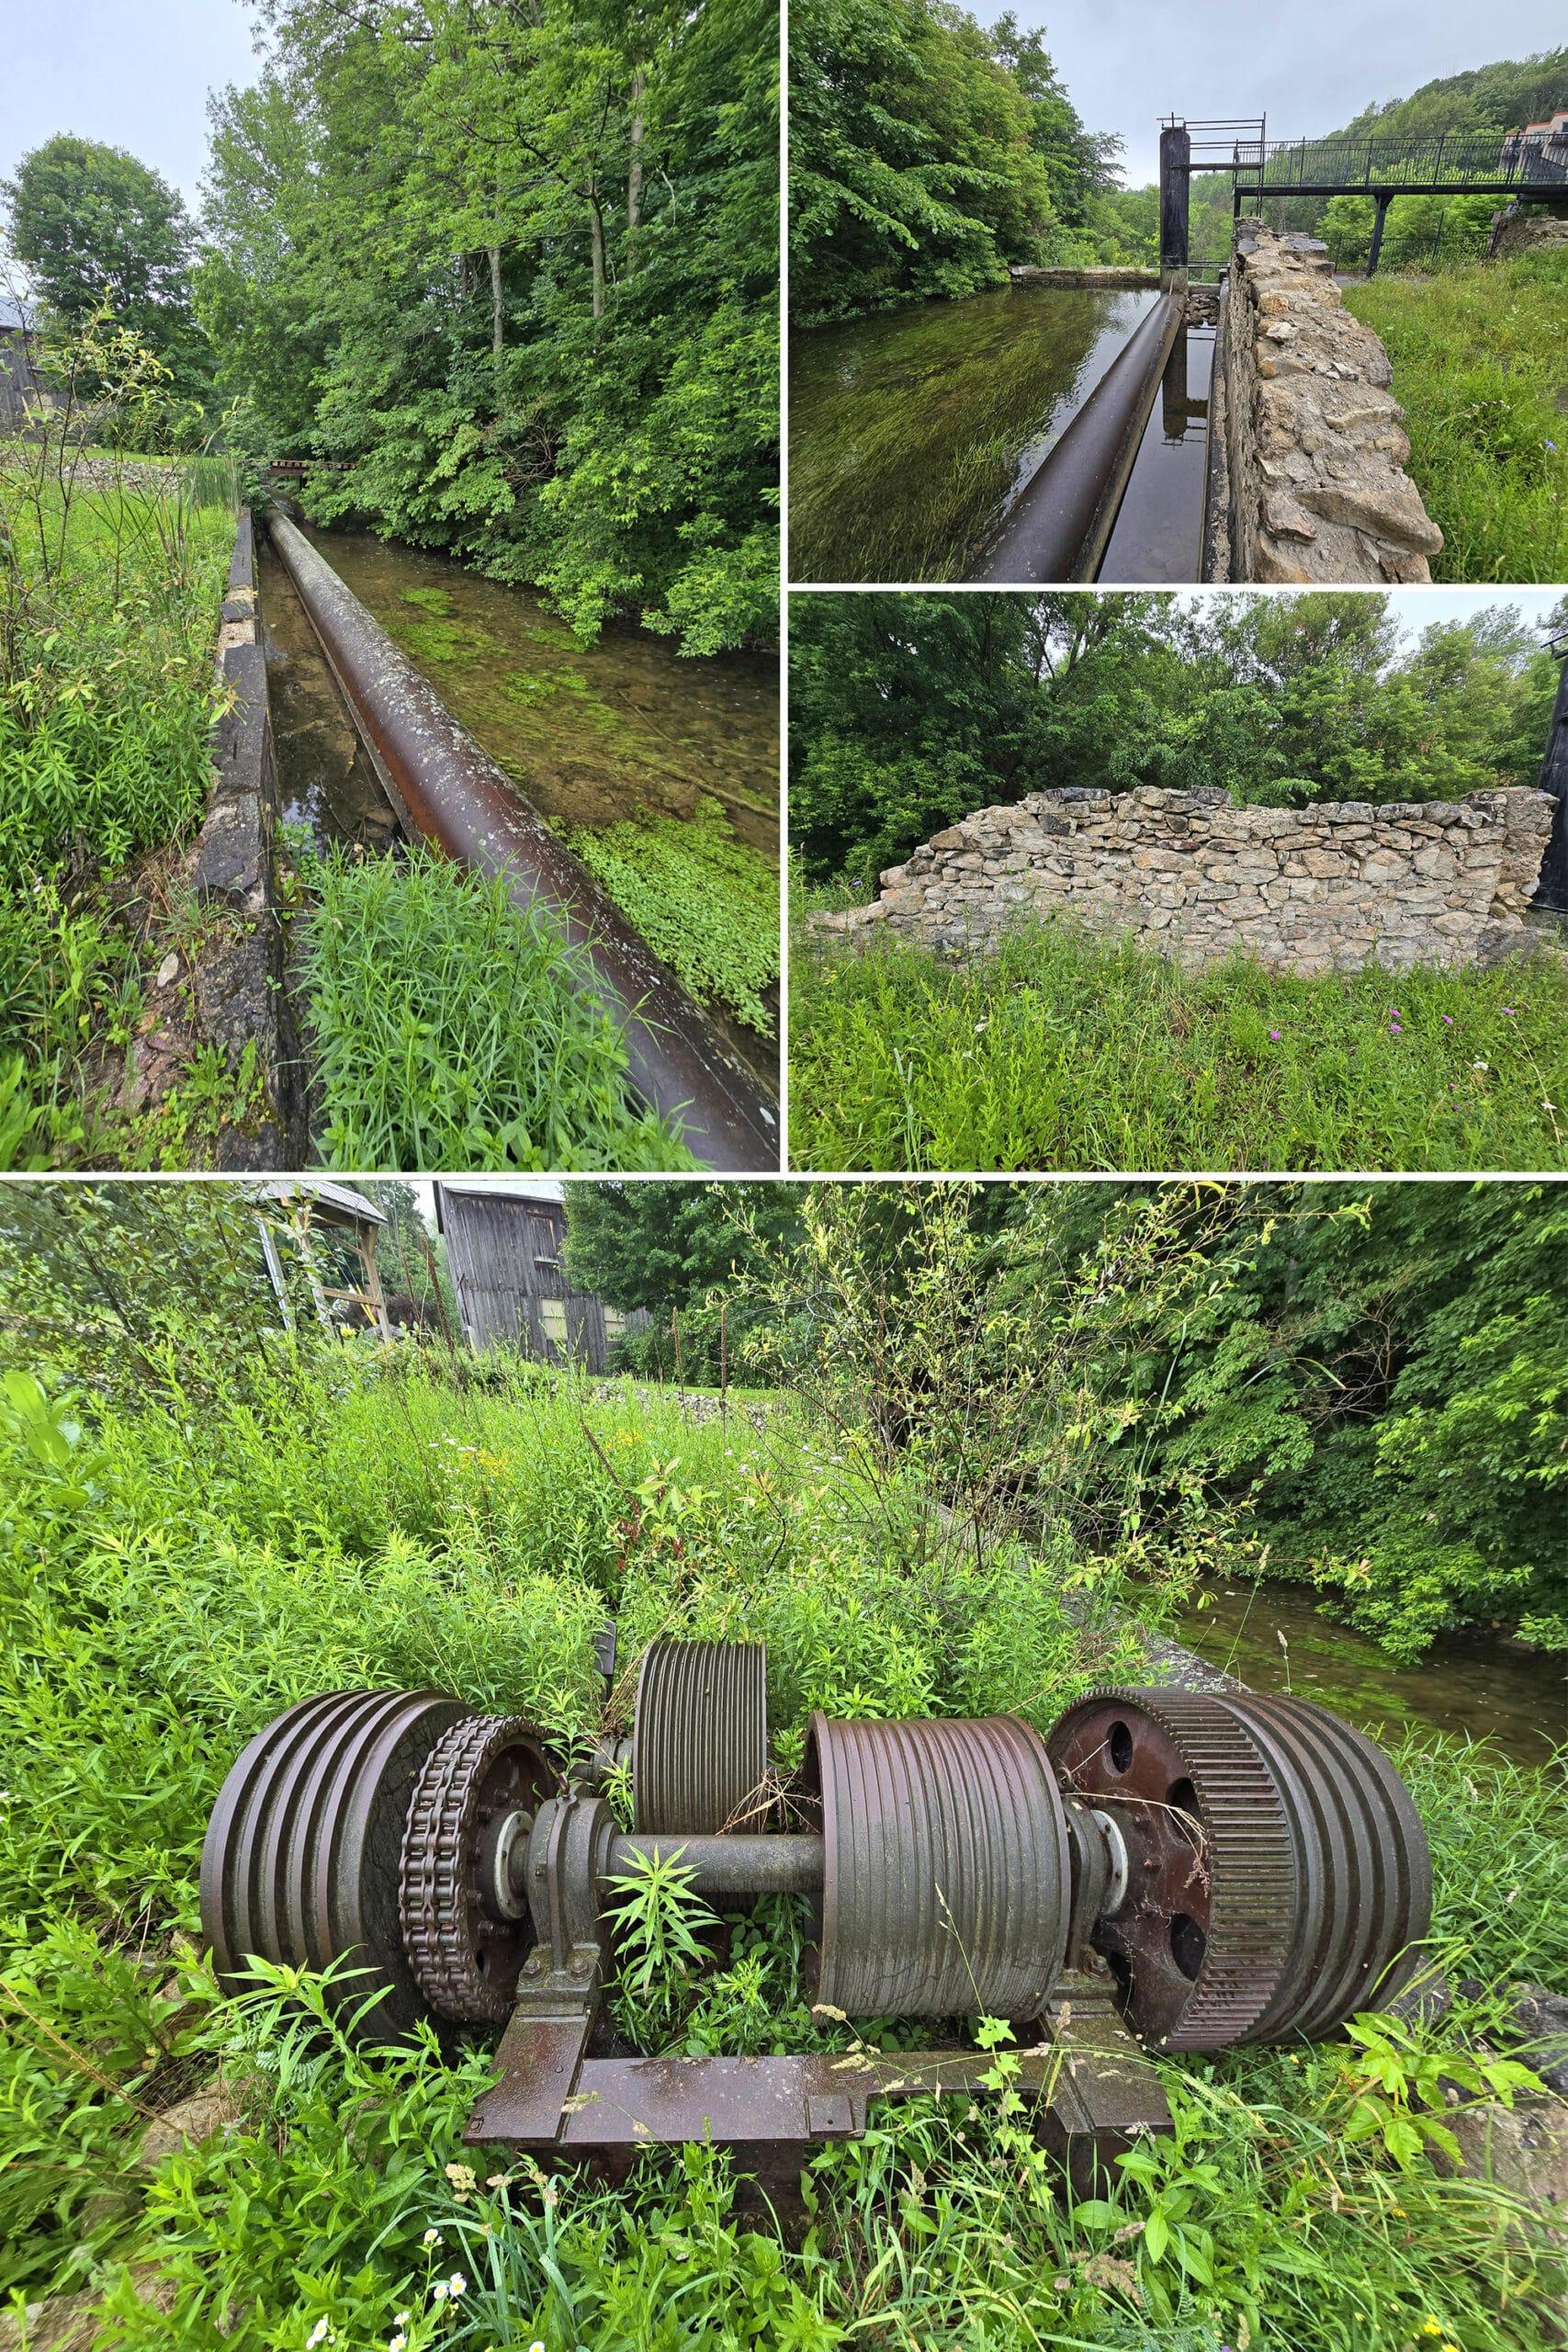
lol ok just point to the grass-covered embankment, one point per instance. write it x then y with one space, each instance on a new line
1058 1052
1479 368
449 1029
110 585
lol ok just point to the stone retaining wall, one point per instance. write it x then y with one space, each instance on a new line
1315 455
228 989
1314 890
1116 280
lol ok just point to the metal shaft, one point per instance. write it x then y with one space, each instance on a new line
453 793
788 1864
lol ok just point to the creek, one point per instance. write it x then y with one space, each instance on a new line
913 432
591 735
1475 1683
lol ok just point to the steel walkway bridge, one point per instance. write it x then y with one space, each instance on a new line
1527 167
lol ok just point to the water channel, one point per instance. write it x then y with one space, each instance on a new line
1477 1683
913 432
592 736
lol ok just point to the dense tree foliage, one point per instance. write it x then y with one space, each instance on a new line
926 154
910 711
671 1248
100 232
1381 1371
517 266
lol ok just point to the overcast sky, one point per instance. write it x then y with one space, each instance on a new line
1126 62
130 73
1419 609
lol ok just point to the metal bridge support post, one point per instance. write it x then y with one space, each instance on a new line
1380 216
1552 890
1175 183
1173 390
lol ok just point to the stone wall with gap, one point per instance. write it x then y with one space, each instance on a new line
1307 890
1314 448
226 988
1526 228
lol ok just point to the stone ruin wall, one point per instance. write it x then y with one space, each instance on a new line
1318 493
1312 891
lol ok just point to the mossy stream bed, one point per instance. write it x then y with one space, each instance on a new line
1475 1683
661 772
913 432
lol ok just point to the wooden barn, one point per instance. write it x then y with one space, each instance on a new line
506 1252
19 386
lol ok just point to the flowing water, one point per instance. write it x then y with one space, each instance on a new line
1477 1683
592 736
911 433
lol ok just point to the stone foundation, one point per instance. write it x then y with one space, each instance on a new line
1313 449
1311 891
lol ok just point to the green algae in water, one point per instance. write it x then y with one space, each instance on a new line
706 903
446 640
537 686
431 600
912 431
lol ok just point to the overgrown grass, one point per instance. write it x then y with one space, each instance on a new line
1058 1052
108 601
1478 367
170 1579
706 902
451 1031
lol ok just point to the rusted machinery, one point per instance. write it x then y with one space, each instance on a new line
1166 1871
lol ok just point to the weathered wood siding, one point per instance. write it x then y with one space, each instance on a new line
507 1255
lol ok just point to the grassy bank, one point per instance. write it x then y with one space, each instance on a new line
449 1029
1060 1053
172 1577
109 589
1477 355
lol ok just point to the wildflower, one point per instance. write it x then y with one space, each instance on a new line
319 2333
1449 1019
432 2237
1479 1065
456 2285
1553 447
1395 1030
1546 1105
1509 1010
1275 1035
536 2347
397 2343
438 2291
1431 2327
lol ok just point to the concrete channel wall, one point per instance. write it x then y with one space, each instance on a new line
1308 890
1307 480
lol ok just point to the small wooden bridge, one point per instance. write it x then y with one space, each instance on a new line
1526 165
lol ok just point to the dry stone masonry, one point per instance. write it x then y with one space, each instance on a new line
1314 890
1315 449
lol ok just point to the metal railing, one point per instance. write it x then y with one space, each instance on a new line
1447 159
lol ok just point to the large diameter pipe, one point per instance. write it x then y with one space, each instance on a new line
1060 527
455 795
787 1864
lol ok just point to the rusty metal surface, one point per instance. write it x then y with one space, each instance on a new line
540 2060
1060 527
788 1863
700 1746
653 2102
300 1860
1103 2096
1277 1866
455 795
487 1775
946 1883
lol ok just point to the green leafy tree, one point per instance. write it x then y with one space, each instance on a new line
100 233
676 1250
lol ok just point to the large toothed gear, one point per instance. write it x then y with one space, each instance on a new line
463 1887
1274 1872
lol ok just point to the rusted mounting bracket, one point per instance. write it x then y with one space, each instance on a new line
1105 2093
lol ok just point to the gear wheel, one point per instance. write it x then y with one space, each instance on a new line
461 1891
1276 1870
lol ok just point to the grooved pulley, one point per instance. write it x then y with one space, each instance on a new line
700 1746
945 1880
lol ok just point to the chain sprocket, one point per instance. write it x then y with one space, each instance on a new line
461 1895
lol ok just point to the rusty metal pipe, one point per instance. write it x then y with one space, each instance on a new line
453 793
788 1864
1060 526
